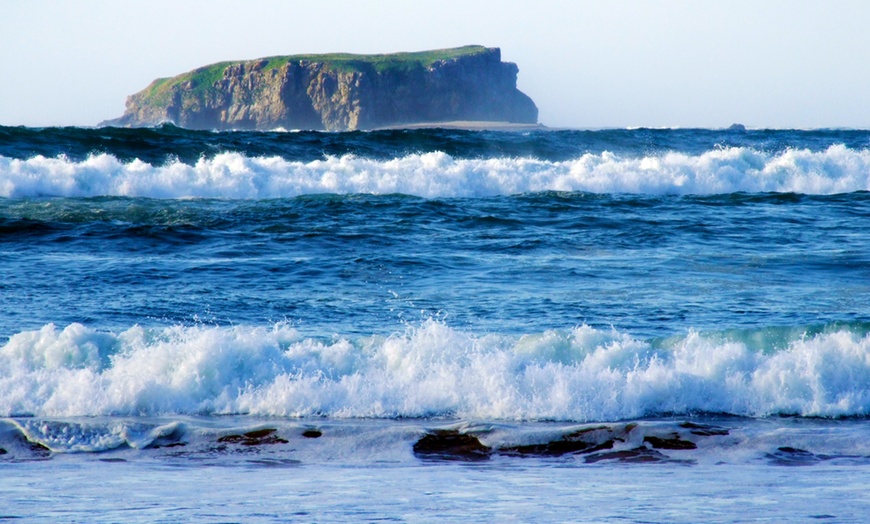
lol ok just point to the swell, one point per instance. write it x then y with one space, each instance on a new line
165 143
581 374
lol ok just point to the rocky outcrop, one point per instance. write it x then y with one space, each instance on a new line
337 92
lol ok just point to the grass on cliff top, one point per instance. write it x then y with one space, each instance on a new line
160 90
201 79
353 62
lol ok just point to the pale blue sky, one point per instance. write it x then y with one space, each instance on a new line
585 63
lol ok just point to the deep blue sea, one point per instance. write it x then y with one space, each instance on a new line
627 325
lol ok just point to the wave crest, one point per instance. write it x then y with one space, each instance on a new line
583 374
837 169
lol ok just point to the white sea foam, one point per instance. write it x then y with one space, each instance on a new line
837 169
582 374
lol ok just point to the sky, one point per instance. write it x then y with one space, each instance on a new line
586 64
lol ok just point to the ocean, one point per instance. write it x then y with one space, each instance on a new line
618 325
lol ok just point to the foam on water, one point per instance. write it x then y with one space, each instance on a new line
582 374
837 169
94 435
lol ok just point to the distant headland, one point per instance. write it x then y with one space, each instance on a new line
340 92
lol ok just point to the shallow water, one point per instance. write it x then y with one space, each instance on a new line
147 493
367 470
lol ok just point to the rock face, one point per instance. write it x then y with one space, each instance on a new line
337 92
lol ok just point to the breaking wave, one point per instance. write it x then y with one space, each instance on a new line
582 374
837 169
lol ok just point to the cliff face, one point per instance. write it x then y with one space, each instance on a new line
337 92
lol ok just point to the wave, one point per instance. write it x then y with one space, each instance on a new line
837 169
433 370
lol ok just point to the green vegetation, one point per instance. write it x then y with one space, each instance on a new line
380 63
158 91
201 80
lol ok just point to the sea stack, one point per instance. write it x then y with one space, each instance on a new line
337 92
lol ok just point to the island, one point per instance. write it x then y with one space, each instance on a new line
469 85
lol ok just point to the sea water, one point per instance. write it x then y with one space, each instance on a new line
614 325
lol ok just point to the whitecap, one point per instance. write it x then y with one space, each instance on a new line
580 374
837 169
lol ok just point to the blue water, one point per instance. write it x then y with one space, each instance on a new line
653 266
163 289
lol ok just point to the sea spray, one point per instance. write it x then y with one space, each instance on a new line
644 322
582 374
438 175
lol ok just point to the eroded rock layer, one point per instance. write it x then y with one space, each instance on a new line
337 92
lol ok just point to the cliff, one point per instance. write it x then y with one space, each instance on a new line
337 92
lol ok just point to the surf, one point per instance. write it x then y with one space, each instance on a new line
438 175
433 370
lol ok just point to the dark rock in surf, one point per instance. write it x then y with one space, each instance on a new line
788 456
312 433
587 440
170 445
449 444
630 456
556 448
704 430
259 437
675 443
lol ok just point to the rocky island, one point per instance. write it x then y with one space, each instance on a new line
338 92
